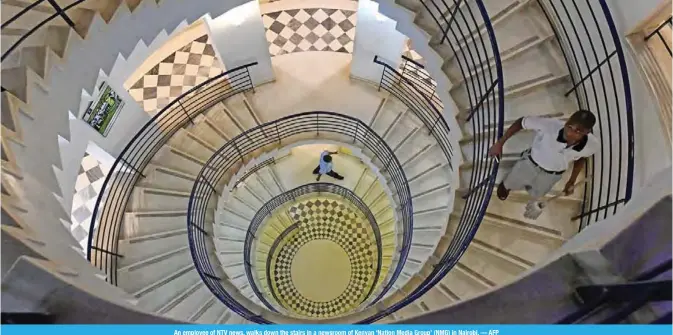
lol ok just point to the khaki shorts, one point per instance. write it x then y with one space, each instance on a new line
526 176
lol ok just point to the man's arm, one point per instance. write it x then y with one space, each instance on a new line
516 127
578 165
496 149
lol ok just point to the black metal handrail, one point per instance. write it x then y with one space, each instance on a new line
419 102
59 12
232 155
270 206
472 44
108 214
595 59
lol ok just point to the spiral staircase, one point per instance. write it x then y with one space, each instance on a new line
180 213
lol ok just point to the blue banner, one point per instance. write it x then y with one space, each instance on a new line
336 329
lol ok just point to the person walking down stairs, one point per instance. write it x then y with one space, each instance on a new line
325 166
555 145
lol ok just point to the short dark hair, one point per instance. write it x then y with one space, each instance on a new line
327 158
583 118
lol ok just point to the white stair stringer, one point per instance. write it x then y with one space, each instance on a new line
24 217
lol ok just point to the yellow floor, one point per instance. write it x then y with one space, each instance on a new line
321 270
326 266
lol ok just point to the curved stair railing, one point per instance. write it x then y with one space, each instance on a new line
108 213
226 161
595 59
267 211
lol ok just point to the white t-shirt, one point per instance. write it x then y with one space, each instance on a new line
550 150
324 166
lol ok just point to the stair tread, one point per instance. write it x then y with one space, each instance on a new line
153 235
158 212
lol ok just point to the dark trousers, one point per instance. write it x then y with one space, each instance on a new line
330 173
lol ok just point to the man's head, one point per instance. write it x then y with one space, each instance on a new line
578 126
327 159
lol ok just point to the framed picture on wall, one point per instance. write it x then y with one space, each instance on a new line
103 111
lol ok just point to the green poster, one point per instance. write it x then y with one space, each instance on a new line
103 112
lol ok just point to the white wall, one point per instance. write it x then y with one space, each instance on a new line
653 153
239 38
375 35
628 14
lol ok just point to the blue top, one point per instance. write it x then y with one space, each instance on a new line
324 166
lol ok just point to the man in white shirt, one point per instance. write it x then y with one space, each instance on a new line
555 146
325 166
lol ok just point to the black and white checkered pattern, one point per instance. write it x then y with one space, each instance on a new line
187 67
310 29
88 185
326 219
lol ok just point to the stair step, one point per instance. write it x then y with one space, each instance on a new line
154 259
152 222
507 55
183 273
143 247
139 275
166 178
178 160
515 90
488 128
145 198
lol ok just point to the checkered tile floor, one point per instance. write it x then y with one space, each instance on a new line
326 219
310 29
189 66
87 187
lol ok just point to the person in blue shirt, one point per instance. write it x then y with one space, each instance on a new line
325 166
